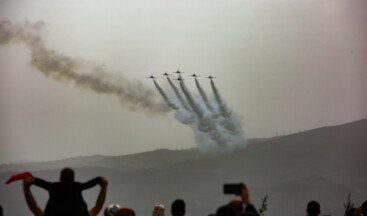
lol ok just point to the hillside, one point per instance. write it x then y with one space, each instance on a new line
323 164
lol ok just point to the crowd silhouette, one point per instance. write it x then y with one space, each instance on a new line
65 198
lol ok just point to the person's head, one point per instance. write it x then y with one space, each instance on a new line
178 208
350 212
1 211
313 208
67 175
364 208
111 210
237 205
158 210
226 210
125 212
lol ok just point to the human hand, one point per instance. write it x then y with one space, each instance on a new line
103 182
27 182
245 195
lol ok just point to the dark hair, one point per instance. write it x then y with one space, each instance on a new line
313 208
1 211
237 205
364 208
226 210
178 207
125 212
67 175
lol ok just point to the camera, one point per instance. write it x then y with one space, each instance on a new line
232 189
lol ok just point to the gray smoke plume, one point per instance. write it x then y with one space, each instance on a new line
83 74
214 132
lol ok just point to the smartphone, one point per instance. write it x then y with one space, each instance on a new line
232 189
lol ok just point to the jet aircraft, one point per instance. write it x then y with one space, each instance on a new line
194 75
166 74
152 77
179 78
178 72
210 77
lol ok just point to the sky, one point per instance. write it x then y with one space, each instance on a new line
282 66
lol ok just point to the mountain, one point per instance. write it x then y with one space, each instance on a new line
323 164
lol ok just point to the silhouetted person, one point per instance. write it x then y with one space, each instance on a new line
125 212
237 205
229 210
1 211
313 208
37 211
65 197
226 210
364 208
178 208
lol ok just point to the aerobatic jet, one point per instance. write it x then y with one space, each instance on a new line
178 72
152 77
194 75
179 78
210 77
166 74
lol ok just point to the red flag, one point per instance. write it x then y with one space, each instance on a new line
19 176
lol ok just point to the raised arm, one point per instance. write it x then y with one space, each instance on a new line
42 183
31 202
100 199
245 195
91 183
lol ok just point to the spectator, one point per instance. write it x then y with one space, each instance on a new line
313 208
229 210
37 211
158 210
66 195
350 212
125 212
364 208
237 206
1 211
178 208
226 210
111 210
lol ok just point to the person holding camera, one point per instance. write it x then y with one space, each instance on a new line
231 209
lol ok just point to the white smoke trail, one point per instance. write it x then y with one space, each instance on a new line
165 96
204 96
83 74
181 114
205 122
178 94
223 108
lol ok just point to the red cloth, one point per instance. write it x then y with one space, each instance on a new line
19 176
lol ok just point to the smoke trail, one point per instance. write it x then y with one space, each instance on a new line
83 74
205 123
203 95
178 94
223 108
210 132
165 96
183 115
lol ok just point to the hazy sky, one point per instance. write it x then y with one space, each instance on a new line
282 65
